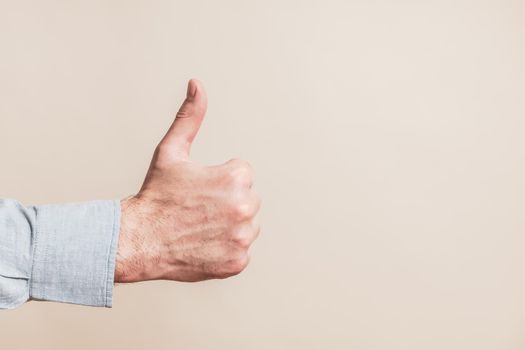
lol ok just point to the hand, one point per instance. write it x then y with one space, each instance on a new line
188 222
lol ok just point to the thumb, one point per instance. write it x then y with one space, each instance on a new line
180 135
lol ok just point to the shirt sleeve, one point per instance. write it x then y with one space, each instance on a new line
63 253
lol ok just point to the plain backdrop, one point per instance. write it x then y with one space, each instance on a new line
388 140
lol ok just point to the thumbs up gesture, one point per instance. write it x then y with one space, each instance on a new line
188 222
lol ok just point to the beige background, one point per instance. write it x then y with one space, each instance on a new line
388 137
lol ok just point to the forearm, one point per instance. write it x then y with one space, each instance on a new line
187 223
63 253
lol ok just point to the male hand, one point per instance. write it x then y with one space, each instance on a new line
188 222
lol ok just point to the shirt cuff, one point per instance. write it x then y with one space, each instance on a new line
74 252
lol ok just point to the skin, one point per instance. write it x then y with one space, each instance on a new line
188 222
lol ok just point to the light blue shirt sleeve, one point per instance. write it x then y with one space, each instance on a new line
63 253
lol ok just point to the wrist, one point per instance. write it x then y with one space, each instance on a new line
134 261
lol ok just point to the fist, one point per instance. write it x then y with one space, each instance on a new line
188 222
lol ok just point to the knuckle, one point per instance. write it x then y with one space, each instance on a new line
241 239
235 260
240 174
186 110
236 173
161 149
238 264
240 171
240 177
162 156
242 211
